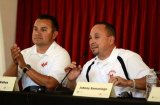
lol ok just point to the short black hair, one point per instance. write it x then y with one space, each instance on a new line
109 27
52 18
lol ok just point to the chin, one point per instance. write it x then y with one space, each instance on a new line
37 43
95 53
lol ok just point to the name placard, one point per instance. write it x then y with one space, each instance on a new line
154 95
7 83
90 89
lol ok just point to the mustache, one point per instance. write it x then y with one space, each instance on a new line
37 37
93 46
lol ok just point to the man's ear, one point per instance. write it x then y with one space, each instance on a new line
55 34
112 40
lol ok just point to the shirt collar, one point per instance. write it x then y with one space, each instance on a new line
49 50
110 59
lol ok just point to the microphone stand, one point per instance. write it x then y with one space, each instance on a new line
64 90
61 89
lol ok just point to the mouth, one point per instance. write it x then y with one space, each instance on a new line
94 47
37 38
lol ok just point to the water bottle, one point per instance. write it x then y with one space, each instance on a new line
151 81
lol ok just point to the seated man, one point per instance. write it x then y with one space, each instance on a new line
124 68
41 66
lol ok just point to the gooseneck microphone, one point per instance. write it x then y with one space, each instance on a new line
84 55
60 88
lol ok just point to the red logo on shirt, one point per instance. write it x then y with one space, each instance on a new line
44 64
111 73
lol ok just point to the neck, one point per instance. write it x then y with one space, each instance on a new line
42 48
106 53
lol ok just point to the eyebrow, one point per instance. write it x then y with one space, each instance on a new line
95 33
41 27
45 27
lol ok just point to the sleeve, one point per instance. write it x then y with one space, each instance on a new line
136 67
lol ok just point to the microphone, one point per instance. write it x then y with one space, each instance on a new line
84 55
60 88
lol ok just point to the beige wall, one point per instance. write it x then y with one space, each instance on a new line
2 57
8 11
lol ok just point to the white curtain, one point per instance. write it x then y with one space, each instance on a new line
2 56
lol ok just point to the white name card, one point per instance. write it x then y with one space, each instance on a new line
7 83
154 95
90 89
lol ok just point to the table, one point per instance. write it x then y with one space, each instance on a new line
27 98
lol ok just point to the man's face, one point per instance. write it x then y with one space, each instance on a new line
43 33
99 40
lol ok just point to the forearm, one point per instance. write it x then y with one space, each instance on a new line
42 80
12 70
138 83
71 84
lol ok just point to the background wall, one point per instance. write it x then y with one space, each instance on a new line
8 13
2 63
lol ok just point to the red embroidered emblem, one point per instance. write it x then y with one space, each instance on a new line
44 64
111 73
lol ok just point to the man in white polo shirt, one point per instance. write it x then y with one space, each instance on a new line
41 66
124 68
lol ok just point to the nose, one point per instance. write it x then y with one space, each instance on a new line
91 41
37 32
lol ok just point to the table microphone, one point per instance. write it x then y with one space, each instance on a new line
60 88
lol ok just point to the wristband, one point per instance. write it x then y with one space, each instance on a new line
134 84
26 68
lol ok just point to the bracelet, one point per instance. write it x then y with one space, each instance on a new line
134 84
26 68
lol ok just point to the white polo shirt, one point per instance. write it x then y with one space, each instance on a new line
102 70
52 63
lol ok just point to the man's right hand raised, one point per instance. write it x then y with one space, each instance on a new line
15 50
17 56
74 71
